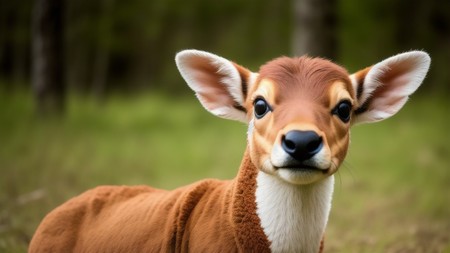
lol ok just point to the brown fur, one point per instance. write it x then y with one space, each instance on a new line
207 216
310 76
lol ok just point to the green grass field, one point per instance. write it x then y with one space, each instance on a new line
391 195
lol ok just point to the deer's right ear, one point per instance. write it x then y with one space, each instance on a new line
220 85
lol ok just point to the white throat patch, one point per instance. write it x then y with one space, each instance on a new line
293 217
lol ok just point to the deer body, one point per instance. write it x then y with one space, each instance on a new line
207 216
299 112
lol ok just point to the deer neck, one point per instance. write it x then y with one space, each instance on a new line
293 217
271 214
249 233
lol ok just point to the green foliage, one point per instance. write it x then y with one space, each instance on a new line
391 194
372 30
130 45
141 38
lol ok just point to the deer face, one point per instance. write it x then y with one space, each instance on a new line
300 110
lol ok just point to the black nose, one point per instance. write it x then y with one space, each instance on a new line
301 145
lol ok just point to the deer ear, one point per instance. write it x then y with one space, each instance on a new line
383 89
220 85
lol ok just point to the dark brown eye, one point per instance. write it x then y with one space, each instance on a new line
343 110
261 108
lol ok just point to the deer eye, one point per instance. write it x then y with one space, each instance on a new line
261 107
343 110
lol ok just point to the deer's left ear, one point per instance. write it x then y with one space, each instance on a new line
383 89
220 85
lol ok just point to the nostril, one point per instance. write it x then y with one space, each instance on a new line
314 145
288 144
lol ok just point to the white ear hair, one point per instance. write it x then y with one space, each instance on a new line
217 82
383 89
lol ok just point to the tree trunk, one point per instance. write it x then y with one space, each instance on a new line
102 54
47 56
315 28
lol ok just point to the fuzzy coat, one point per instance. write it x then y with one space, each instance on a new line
207 216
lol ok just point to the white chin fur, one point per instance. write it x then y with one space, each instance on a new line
279 159
300 177
293 217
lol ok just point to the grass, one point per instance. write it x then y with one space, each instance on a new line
394 193
391 195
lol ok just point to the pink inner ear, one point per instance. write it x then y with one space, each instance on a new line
388 84
399 78
396 84
211 91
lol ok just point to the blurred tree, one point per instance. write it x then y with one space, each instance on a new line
47 56
102 55
437 39
122 46
82 39
423 24
315 29
15 42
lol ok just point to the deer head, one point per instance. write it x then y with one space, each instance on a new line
300 110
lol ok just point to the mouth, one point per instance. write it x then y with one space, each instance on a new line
298 173
303 168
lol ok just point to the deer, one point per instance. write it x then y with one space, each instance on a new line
299 112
